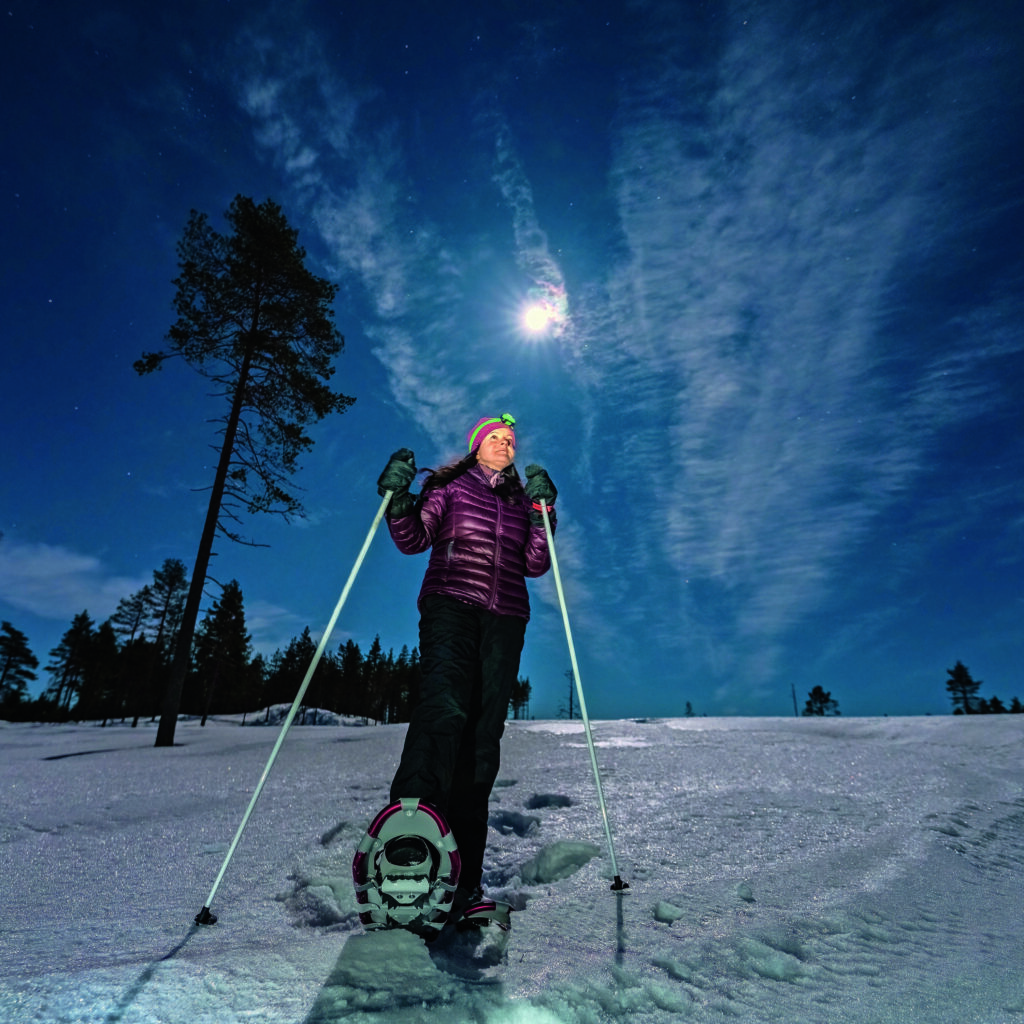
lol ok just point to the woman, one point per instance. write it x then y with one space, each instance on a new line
486 535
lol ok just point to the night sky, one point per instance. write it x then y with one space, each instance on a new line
779 390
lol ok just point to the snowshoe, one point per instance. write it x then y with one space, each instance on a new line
406 869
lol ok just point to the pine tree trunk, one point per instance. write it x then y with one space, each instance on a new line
183 648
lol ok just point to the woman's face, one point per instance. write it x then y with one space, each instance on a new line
497 450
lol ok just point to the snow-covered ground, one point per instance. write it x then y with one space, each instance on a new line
792 870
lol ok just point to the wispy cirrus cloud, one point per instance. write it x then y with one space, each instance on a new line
350 174
753 327
532 251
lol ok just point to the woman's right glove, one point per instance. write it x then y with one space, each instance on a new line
398 474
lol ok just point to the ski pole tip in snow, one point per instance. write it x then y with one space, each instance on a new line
205 917
619 885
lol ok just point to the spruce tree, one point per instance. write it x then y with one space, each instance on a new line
820 702
374 680
130 616
253 320
69 660
17 666
98 695
287 670
256 683
519 702
400 672
165 600
962 689
222 652
350 682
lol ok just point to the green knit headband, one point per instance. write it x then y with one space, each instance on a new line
485 426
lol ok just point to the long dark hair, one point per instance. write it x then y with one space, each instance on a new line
509 487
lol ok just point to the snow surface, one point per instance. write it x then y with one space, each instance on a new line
784 870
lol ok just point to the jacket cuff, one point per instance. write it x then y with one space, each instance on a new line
400 506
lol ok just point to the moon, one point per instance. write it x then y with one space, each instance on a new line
536 317
544 310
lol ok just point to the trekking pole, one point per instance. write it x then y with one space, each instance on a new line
618 885
204 916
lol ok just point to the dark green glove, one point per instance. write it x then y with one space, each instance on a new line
541 491
539 487
398 474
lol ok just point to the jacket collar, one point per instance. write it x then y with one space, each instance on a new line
492 476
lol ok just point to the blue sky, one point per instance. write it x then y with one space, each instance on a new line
780 398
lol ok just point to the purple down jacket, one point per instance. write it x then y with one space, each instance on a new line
482 548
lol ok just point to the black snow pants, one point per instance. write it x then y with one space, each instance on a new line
469 660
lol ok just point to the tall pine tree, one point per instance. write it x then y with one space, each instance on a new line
253 320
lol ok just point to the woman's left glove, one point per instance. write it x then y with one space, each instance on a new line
540 490
398 474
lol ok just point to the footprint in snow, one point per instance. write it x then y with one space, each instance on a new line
323 901
539 801
507 822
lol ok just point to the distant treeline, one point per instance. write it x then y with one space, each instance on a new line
117 670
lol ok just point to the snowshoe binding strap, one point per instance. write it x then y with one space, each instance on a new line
484 913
